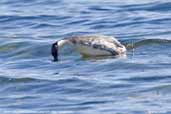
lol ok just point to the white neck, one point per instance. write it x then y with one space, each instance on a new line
62 42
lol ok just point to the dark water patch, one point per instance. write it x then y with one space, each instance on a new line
16 1
154 6
66 86
77 22
120 86
160 89
23 49
102 21
149 79
22 87
160 21
43 26
99 8
68 35
25 3
19 20
8 48
145 42
5 80
93 102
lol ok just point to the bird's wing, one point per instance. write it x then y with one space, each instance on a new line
97 42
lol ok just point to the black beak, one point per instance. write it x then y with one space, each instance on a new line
54 51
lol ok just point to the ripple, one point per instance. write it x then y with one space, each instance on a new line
30 81
155 6
148 79
5 80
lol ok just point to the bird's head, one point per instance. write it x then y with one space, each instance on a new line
54 51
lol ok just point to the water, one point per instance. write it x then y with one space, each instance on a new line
31 83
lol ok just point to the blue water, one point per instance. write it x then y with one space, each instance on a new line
31 83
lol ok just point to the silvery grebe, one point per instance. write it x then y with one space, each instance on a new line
93 45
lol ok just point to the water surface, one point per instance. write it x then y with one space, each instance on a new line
31 83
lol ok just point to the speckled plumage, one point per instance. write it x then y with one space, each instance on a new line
99 42
92 45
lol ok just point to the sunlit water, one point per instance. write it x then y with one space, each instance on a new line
31 83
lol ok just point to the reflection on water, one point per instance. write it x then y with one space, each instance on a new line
31 83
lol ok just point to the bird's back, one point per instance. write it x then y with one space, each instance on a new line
96 45
92 39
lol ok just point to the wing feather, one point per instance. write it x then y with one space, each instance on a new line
97 42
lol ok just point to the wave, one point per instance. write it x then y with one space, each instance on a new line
15 80
136 44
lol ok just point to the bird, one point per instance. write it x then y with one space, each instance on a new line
90 45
